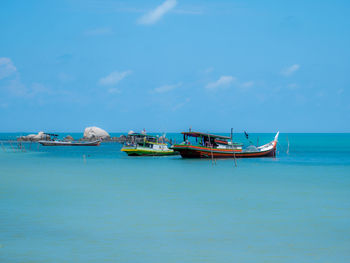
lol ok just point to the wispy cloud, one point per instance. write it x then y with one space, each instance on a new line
4 105
247 85
208 70
64 77
13 84
156 14
290 70
16 87
340 91
7 68
114 77
37 88
114 91
292 86
222 82
181 104
103 31
187 12
166 88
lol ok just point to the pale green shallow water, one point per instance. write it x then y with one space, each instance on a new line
55 207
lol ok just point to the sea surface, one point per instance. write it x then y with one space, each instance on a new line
96 204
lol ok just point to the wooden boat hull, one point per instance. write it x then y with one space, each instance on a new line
194 151
58 143
189 151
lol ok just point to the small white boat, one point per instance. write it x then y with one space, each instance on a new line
69 143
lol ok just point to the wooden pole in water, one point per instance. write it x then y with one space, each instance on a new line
13 147
234 154
288 145
211 150
3 147
23 147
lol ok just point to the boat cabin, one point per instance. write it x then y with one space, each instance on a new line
144 140
209 140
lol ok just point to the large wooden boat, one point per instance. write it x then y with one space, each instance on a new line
139 144
69 143
217 146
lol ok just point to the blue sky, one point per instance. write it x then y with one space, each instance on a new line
259 66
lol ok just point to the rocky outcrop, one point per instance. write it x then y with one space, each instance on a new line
95 133
35 137
69 138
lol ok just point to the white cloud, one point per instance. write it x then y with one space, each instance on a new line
166 88
290 70
293 86
37 88
181 104
114 78
157 13
4 105
64 77
6 68
188 11
340 91
16 87
114 91
247 84
103 31
222 82
208 70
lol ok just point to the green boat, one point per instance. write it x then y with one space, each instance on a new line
139 144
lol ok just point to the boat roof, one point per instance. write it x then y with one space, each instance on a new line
199 134
142 135
51 134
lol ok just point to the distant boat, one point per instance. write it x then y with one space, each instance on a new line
216 146
69 143
140 144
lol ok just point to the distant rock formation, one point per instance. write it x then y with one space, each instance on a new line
69 138
95 133
120 139
35 137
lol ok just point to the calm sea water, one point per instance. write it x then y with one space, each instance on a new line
56 206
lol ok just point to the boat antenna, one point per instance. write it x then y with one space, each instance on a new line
247 137
234 155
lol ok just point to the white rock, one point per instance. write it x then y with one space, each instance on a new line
35 137
131 132
92 133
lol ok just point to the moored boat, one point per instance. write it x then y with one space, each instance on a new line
217 146
139 144
69 143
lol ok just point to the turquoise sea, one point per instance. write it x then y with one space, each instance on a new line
57 206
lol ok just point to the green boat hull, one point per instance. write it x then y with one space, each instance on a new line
147 152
